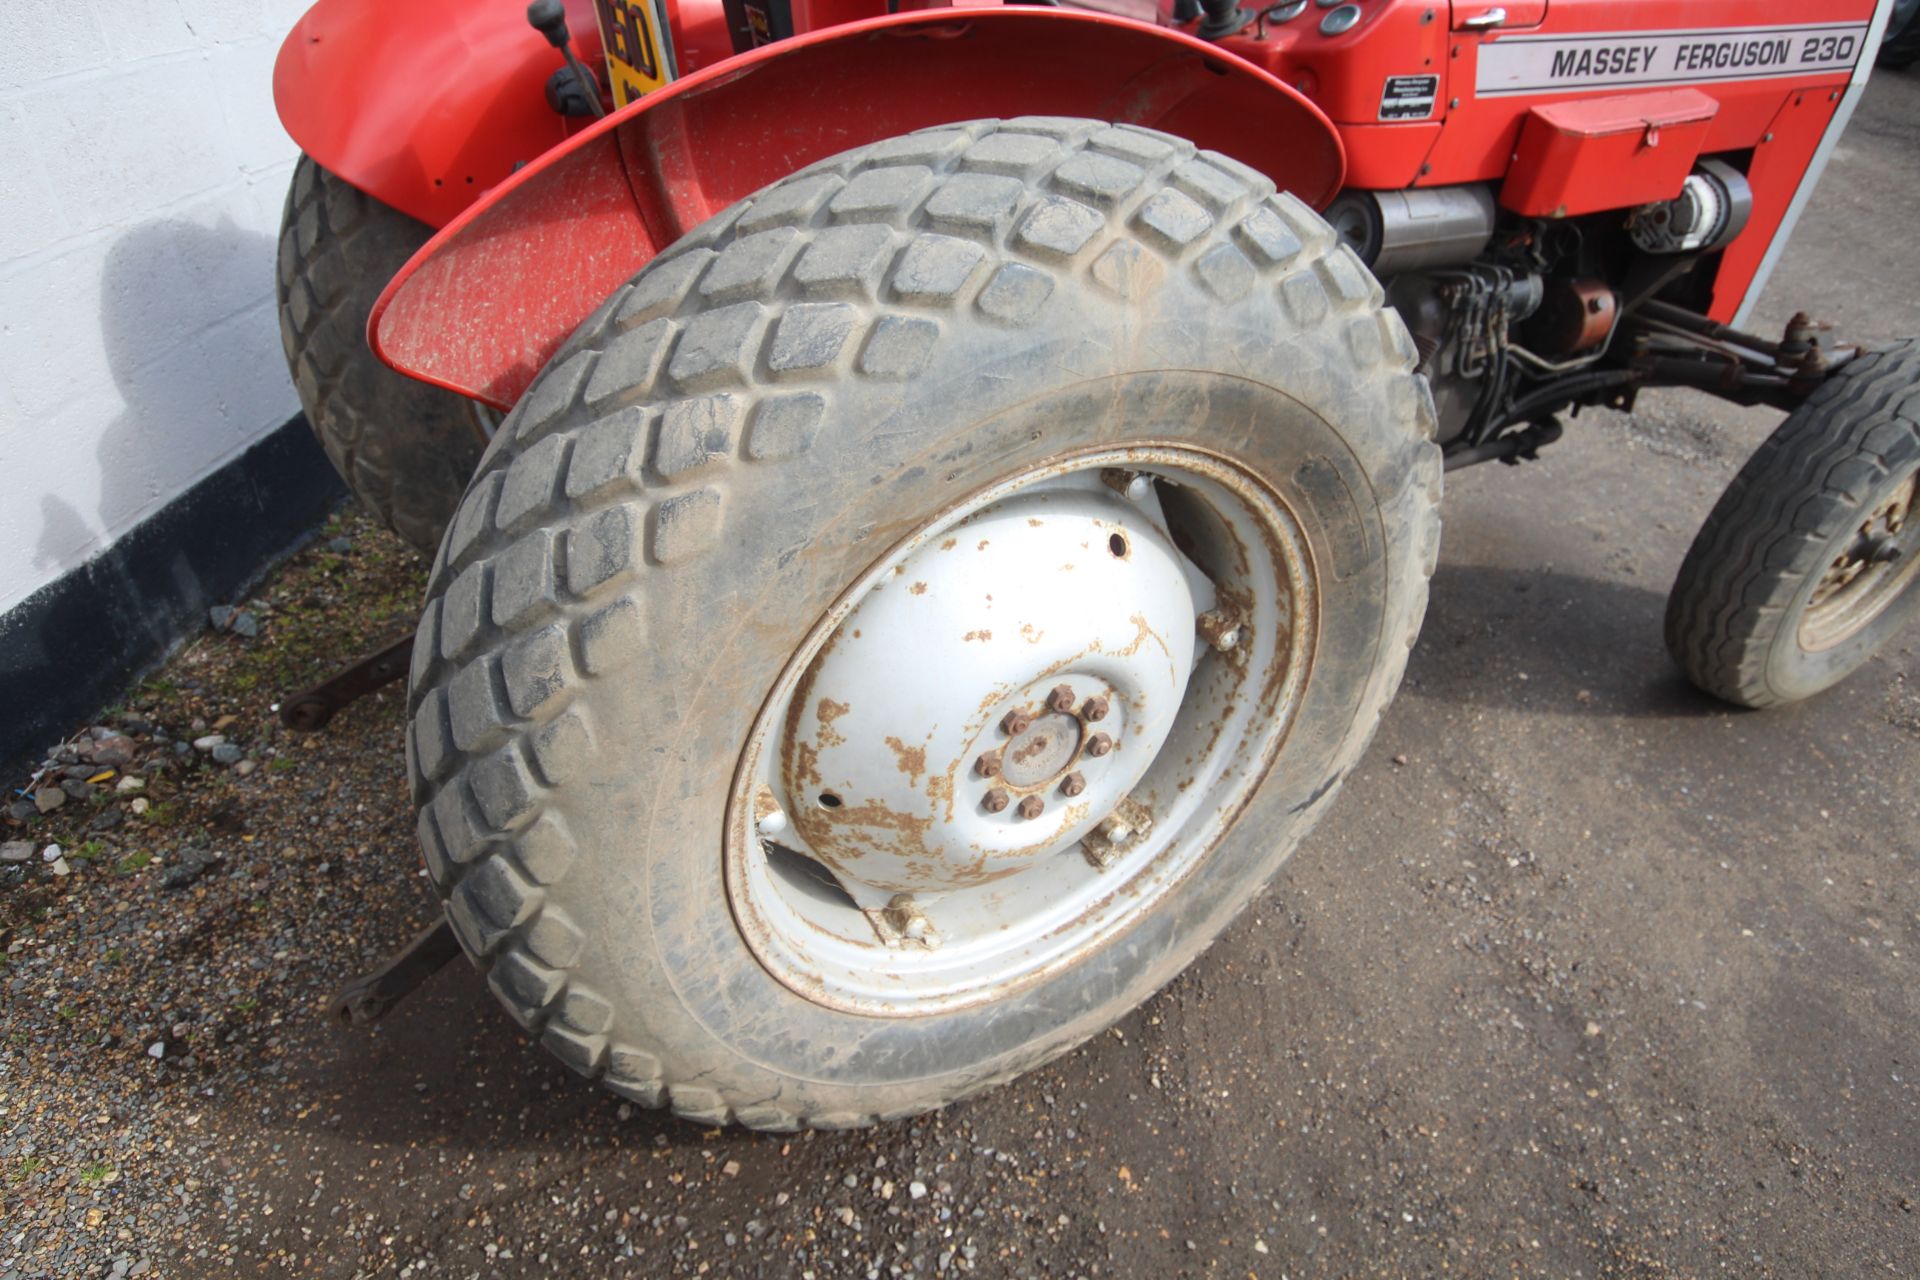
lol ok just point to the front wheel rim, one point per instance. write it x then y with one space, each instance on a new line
1878 563
926 818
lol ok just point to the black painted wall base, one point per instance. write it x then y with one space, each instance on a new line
76 644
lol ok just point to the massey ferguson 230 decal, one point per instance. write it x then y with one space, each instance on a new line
1540 64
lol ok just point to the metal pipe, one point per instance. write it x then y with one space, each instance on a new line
1396 231
1521 444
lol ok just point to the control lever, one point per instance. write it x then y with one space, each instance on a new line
549 18
1221 18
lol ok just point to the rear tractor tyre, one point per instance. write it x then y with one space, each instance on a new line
904 626
1807 565
406 449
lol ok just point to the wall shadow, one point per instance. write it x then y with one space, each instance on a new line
180 354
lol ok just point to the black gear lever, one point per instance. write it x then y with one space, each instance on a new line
549 18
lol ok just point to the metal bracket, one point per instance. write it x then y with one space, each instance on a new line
368 998
309 711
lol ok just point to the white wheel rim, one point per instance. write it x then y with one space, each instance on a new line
866 864
1855 588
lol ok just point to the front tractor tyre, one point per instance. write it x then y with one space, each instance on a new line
1807 565
908 621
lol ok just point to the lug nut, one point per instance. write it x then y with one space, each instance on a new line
987 766
1032 807
1061 699
1098 745
995 800
1096 709
1072 785
1016 722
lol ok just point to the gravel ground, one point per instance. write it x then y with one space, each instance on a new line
1586 975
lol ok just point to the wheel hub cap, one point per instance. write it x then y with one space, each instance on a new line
1020 729
996 696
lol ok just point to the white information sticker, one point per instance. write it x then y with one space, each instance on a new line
1408 97
1629 59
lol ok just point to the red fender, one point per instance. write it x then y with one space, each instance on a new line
424 104
486 303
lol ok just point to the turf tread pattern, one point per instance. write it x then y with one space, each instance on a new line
405 449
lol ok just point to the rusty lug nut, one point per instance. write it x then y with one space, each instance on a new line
1072 785
1032 806
987 766
1096 709
1016 722
1098 745
995 800
1061 699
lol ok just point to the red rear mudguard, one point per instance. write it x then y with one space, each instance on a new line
424 104
484 306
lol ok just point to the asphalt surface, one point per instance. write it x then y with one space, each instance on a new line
1585 975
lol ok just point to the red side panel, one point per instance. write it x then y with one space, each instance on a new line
1591 154
484 305
1484 127
1779 165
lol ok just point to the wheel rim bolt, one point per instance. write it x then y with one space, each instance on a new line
1098 745
1072 785
1032 806
1221 630
1061 699
987 766
1016 722
1096 709
1131 484
995 800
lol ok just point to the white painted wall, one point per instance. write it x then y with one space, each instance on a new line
142 171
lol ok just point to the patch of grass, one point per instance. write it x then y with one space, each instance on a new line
115 955
88 851
246 1004
282 765
26 1168
133 861
95 1172
161 814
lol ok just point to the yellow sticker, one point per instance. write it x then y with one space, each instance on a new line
637 61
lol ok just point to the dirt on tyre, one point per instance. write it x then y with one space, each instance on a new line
1806 566
906 623
405 449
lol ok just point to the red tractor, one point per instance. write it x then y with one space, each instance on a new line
929 500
